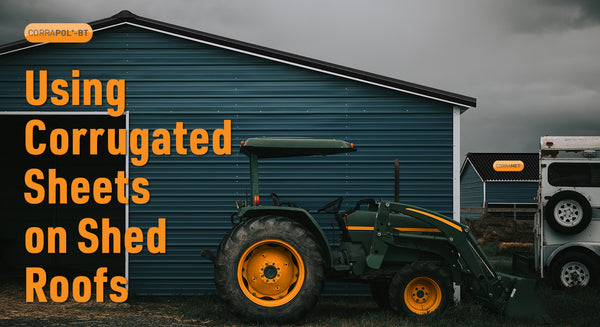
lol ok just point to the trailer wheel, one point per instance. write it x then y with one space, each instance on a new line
269 269
568 212
574 269
420 289
380 293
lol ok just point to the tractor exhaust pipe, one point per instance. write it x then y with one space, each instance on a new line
396 180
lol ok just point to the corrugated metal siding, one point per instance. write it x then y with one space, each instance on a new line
511 192
471 192
170 80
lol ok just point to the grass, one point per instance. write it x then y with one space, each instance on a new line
575 307
567 308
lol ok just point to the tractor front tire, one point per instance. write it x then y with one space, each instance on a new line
420 289
269 269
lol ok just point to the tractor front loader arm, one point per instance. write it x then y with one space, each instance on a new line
504 293
469 255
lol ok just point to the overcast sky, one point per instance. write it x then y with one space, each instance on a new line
533 65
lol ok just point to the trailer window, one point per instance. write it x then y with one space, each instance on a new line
574 174
595 174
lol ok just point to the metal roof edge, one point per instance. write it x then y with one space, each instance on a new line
343 71
472 165
511 181
463 165
474 158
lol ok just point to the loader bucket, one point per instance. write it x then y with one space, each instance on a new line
522 301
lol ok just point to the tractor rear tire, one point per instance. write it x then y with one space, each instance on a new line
269 268
421 289
380 293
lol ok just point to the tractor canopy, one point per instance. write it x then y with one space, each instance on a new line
279 147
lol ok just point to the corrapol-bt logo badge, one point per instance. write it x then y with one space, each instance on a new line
58 33
508 165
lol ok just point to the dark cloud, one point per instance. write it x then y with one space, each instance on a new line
531 64
14 17
547 16
576 13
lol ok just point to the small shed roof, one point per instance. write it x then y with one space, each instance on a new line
126 17
483 163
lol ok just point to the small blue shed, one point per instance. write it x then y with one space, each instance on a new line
176 74
482 186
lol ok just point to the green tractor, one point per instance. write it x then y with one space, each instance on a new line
272 264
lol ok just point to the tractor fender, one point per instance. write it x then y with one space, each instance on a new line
298 214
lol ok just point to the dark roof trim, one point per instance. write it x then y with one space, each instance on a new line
482 163
384 81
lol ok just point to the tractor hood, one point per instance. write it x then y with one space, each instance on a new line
278 147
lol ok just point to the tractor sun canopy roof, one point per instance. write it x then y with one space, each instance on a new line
279 147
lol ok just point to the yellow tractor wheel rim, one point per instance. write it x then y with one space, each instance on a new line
270 273
422 295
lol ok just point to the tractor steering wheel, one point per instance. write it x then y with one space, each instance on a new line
275 198
334 205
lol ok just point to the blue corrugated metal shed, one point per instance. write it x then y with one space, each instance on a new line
481 184
177 74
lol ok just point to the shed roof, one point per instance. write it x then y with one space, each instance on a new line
483 163
126 17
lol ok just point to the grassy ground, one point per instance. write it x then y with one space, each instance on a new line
574 308
567 308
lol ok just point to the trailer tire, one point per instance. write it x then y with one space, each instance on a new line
574 269
568 212
380 292
269 268
421 289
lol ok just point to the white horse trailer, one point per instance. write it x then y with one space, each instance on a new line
567 225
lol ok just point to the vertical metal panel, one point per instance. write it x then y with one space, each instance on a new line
511 192
172 80
471 191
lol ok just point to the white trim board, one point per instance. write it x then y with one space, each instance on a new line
456 111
